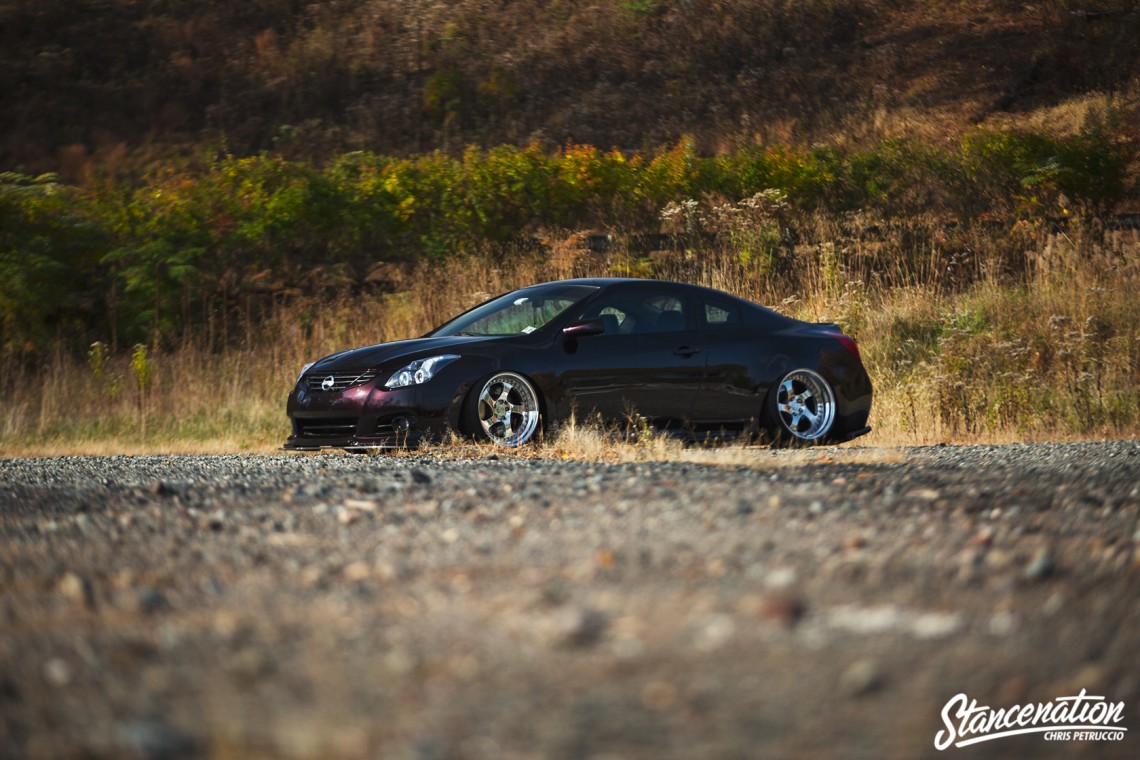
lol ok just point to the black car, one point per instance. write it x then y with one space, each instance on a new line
682 358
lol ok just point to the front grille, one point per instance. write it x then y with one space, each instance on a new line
326 427
317 382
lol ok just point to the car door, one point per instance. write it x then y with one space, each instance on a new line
730 392
646 364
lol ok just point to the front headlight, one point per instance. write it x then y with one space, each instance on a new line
304 370
419 371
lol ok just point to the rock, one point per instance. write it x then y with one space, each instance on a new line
659 695
862 677
555 593
158 488
154 738
57 672
583 627
983 537
1041 566
781 608
150 600
1053 604
357 571
420 476
998 559
935 625
9 692
77 589
1002 623
368 485
780 578
715 633
969 564
249 665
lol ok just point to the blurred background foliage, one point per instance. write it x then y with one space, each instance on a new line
180 252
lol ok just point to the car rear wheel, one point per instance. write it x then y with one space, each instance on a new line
801 408
504 409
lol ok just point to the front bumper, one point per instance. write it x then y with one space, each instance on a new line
397 439
369 416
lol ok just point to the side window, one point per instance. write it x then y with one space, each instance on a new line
614 319
668 313
638 313
614 315
721 314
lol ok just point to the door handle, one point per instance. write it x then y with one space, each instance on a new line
686 351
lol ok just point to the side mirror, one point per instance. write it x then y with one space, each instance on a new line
584 328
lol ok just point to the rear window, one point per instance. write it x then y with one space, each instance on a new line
721 314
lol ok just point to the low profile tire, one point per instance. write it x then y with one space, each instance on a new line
801 409
502 409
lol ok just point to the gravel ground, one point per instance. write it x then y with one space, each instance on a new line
827 604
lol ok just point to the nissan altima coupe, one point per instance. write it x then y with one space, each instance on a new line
681 358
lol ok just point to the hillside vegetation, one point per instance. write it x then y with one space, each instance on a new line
109 84
199 196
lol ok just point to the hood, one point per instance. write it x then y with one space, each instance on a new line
399 352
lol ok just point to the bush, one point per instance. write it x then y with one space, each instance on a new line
188 253
48 257
1030 174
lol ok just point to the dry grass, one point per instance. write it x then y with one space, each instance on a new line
980 333
596 444
984 335
1069 115
95 447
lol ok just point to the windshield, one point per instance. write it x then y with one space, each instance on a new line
517 313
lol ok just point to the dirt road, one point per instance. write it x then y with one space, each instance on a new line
827 604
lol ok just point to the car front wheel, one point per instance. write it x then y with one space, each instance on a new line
801 408
503 409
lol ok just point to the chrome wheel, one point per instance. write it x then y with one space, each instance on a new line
805 405
507 409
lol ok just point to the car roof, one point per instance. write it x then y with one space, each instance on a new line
602 282
608 282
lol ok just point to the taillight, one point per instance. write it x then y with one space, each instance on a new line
849 343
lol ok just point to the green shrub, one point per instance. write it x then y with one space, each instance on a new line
156 259
1031 174
48 255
